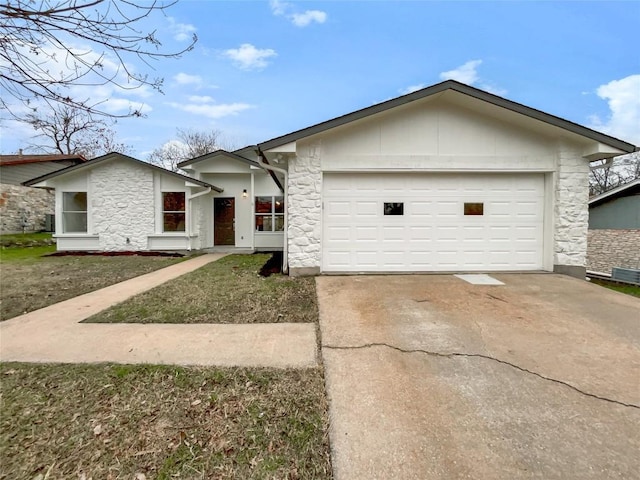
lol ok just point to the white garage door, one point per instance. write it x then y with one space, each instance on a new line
432 222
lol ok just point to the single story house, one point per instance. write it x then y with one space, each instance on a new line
448 178
26 209
614 229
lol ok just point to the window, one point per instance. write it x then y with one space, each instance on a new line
173 212
394 208
74 212
474 208
269 214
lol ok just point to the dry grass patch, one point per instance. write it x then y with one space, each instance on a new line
29 281
161 422
227 291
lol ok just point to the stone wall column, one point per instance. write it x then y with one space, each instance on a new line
305 211
571 211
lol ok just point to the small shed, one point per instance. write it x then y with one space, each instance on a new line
614 229
27 209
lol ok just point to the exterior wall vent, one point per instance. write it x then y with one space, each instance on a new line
626 275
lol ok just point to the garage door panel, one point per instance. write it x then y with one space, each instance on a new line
418 233
433 234
364 259
366 234
366 208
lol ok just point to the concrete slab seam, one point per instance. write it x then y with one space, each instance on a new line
486 357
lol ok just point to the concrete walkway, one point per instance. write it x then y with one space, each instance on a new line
53 334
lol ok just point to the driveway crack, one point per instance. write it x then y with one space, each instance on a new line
486 357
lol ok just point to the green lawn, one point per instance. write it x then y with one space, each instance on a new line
633 290
226 291
122 422
25 239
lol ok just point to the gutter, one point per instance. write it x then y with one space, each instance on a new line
189 198
264 163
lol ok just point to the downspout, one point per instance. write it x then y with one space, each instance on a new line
264 163
191 197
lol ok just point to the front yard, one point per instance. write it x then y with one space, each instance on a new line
147 422
161 422
227 291
30 281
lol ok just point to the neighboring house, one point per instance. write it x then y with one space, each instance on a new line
448 178
25 208
614 229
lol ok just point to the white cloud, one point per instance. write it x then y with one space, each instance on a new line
310 16
181 31
287 10
210 109
200 98
623 97
411 89
464 73
279 8
468 73
122 105
248 57
186 79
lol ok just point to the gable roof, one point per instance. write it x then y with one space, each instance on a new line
631 188
218 153
114 156
21 159
457 87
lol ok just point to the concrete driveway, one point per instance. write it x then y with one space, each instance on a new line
430 377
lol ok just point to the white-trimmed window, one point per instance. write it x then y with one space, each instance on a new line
269 212
174 213
74 212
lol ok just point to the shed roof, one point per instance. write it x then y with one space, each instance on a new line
114 156
630 188
21 159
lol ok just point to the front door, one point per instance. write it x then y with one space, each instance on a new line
224 213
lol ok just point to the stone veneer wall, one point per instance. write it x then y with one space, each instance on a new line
121 196
571 211
613 248
305 211
24 208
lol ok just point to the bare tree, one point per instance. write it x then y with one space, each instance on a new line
49 46
69 130
190 144
609 174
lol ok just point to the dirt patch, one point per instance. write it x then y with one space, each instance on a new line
273 265
124 422
229 290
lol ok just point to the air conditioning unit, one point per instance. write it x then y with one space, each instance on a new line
49 222
627 275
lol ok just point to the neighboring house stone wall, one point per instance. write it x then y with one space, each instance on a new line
24 208
122 204
613 248
305 211
571 211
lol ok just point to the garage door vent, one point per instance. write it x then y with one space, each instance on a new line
626 275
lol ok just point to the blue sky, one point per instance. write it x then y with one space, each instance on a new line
263 69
